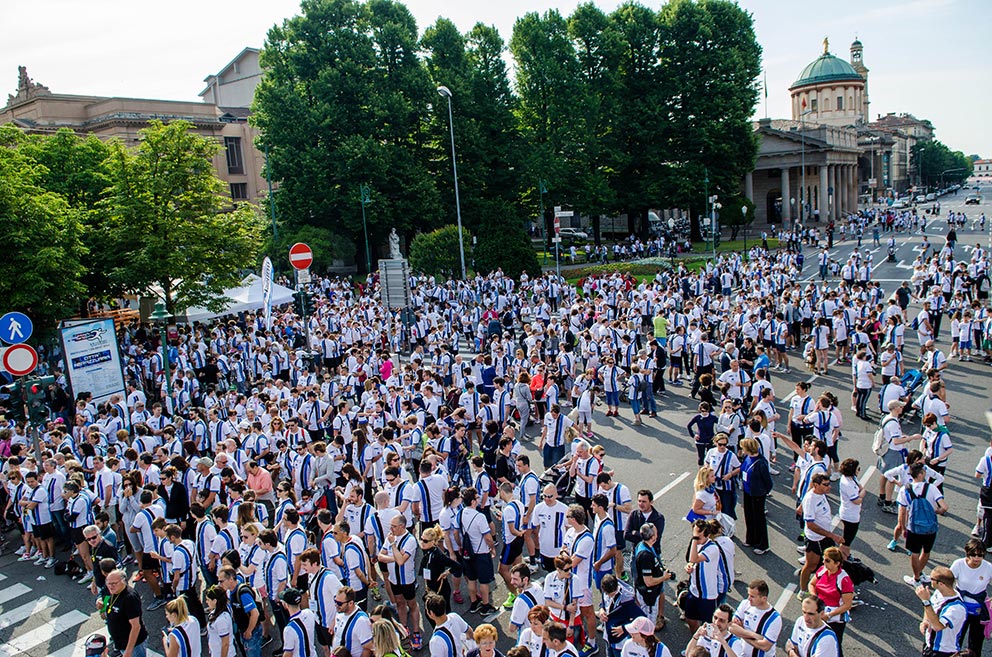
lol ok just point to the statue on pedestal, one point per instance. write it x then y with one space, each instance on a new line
394 246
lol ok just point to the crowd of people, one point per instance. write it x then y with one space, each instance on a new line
342 495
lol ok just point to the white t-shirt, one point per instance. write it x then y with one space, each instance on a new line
816 509
293 640
216 631
849 491
551 528
814 643
972 580
439 646
632 649
751 617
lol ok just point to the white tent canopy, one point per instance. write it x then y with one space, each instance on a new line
244 298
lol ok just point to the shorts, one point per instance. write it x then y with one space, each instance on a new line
585 417
479 568
841 343
405 591
584 598
891 459
850 531
488 513
917 543
43 532
817 547
148 562
780 347
77 535
699 609
612 398
324 636
620 540
548 563
512 551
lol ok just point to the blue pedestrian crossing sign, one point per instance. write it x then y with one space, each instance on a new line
15 328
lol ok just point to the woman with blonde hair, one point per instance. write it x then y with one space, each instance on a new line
182 639
705 503
756 483
385 641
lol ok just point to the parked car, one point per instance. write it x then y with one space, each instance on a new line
931 197
573 234
920 198
973 199
899 204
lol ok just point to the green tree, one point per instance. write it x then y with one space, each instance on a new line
936 164
436 253
41 233
344 102
170 224
711 60
75 168
547 84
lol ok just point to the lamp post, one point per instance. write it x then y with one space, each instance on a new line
365 197
160 315
714 206
671 235
542 188
444 91
744 221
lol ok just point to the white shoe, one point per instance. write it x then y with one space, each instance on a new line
835 476
86 579
909 580
19 551
27 557
40 561
773 471
49 562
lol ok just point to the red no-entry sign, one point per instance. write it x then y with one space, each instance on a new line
20 359
300 256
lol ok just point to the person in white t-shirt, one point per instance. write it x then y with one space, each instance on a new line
973 575
852 495
811 636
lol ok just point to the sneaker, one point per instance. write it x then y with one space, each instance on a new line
40 560
802 560
774 471
909 580
856 602
625 576
890 508
157 603
457 597
487 610
924 579
588 650
854 560
49 562
19 551
880 502
416 641
376 594
509 601
835 476
86 579
26 556
760 551
475 606
802 595
801 549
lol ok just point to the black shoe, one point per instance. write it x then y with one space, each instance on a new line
487 610
266 641
475 607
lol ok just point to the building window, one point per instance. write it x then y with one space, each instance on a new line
235 160
840 103
239 191
812 104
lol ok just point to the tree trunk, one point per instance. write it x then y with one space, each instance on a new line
596 229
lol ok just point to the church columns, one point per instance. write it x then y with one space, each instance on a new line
842 205
821 199
786 195
854 187
749 186
832 191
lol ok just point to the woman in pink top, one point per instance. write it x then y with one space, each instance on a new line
832 585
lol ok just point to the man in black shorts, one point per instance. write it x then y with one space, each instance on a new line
817 518
513 537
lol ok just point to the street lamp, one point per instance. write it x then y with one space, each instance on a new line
365 197
714 206
744 221
444 91
671 236
160 316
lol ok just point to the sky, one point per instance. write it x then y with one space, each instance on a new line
925 57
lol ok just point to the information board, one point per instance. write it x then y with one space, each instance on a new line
93 359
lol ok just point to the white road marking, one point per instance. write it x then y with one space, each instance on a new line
783 600
43 633
15 591
78 649
25 612
672 484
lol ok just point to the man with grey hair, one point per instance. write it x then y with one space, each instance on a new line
99 549
649 576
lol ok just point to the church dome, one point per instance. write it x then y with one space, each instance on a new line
826 68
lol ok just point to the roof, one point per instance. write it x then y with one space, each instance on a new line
826 68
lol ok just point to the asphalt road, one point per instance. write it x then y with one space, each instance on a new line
42 614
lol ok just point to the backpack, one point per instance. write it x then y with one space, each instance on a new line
922 515
879 444
642 385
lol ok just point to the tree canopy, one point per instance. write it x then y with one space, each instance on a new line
608 114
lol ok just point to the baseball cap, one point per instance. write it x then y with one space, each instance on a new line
291 596
640 625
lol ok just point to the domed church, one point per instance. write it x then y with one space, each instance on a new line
832 91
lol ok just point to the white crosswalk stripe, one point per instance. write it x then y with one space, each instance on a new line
35 637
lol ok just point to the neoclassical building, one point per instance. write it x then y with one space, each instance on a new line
807 166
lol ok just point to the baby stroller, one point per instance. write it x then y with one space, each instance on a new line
892 254
563 482
912 380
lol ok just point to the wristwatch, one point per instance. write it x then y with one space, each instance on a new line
927 603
